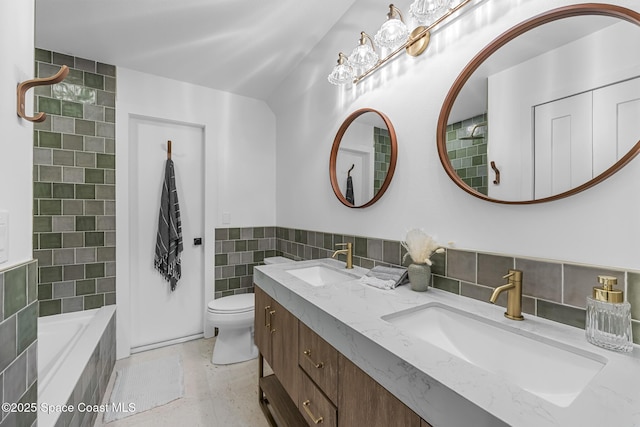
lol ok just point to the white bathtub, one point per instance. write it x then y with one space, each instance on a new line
65 345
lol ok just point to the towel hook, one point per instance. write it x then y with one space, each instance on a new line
349 171
497 171
169 150
28 84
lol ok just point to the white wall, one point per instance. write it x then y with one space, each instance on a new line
239 171
598 226
16 160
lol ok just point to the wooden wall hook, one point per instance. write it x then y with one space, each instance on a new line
497 172
28 84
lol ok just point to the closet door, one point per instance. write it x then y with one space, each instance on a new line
616 122
158 315
563 149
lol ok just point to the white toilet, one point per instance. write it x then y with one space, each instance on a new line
233 316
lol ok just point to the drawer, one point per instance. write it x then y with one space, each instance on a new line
319 360
314 405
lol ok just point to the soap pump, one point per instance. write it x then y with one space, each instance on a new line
608 322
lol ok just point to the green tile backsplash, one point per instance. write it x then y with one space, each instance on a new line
237 251
551 289
74 185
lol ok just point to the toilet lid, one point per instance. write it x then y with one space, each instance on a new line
233 303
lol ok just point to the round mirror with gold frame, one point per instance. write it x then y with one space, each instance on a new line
363 158
548 109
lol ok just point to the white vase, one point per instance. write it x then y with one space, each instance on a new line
419 276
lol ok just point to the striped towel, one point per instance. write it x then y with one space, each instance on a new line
169 237
349 195
385 277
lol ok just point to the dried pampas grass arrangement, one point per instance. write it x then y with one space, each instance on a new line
420 246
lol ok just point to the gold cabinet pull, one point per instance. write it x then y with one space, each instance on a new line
271 313
316 364
267 323
315 420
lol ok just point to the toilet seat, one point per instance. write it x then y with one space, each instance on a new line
232 304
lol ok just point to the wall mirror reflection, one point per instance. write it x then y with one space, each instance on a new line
363 158
548 109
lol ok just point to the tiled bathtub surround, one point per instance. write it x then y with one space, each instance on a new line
90 388
237 251
74 185
18 342
552 289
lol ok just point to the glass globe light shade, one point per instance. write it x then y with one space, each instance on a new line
427 11
342 73
392 34
363 57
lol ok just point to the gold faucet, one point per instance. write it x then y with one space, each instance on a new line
347 251
514 297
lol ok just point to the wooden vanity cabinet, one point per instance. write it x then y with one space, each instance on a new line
276 335
364 402
313 383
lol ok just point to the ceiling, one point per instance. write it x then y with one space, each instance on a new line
246 47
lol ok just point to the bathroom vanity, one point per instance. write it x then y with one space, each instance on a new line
356 355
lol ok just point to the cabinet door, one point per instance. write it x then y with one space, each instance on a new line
364 402
262 323
284 348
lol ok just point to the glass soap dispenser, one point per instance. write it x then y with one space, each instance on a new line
608 322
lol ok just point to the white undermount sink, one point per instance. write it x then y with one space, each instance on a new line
320 275
550 370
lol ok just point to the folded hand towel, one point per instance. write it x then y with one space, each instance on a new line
377 283
385 277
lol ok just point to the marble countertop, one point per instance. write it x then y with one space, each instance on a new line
443 389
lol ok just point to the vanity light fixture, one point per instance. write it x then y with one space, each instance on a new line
364 56
394 31
393 34
343 72
427 11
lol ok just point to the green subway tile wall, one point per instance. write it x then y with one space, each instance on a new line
74 185
469 156
237 251
19 338
382 150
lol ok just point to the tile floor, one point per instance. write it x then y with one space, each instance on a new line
215 395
